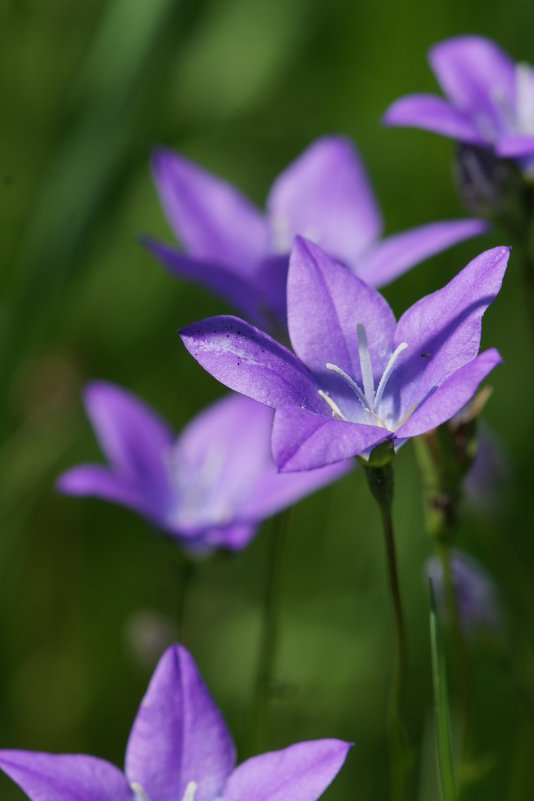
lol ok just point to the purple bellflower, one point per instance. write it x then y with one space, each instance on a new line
490 99
210 487
242 254
179 750
476 594
356 378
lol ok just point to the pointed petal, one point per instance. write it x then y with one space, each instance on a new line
179 735
248 361
275 491
475 74
214 221
301 772
443 329
303 441
451 396
51 777
133 436
325 196
238 289
433 113
98 481
514 146
325 304
398 253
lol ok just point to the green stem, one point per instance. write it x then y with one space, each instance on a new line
380 481
269 635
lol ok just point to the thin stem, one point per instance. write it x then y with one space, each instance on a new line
269 635
186 572
380 480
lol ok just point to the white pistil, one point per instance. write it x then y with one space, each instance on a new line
336 411
190 791
369 400
352 384
524 98
366 366
138 792
387 372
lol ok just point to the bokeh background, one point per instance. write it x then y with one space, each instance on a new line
88 592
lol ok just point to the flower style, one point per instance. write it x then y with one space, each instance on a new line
357 378
490 99
242 254
179 750
477 597
210 487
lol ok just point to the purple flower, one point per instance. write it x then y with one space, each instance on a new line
241 254
490 99
358 378
476 594
210 487
179 750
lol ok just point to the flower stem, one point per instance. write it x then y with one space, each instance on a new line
380 481
269 635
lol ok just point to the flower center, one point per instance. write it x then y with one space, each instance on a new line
141 795
368 397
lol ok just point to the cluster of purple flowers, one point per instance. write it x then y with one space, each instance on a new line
305 273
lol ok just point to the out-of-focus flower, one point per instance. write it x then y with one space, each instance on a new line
490 99
241 254
476 594
489 475
358 378
210 487
179 750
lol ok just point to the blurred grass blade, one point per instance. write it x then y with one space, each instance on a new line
441 706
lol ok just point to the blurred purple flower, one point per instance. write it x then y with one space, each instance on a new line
179 750
210 487
490 99
476 593
241 254
489 475
358 377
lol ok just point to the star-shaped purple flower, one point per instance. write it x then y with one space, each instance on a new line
210 487
490 99
241 254
357 378
179 750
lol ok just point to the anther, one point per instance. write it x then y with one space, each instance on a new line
190 791
337 414
139 792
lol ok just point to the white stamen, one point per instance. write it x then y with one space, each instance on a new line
138 792
387 372
190 791
336 411
524 98
352 384
366 366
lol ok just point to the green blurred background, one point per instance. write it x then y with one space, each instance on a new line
241 86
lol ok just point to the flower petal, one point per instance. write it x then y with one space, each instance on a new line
475 74
303 441
443 330
433 113
325 196
398 253
301 772
325 304
234 537
238 289
131 434
98 481
451 396
214 221
179 735
248 361
52 777
514 146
